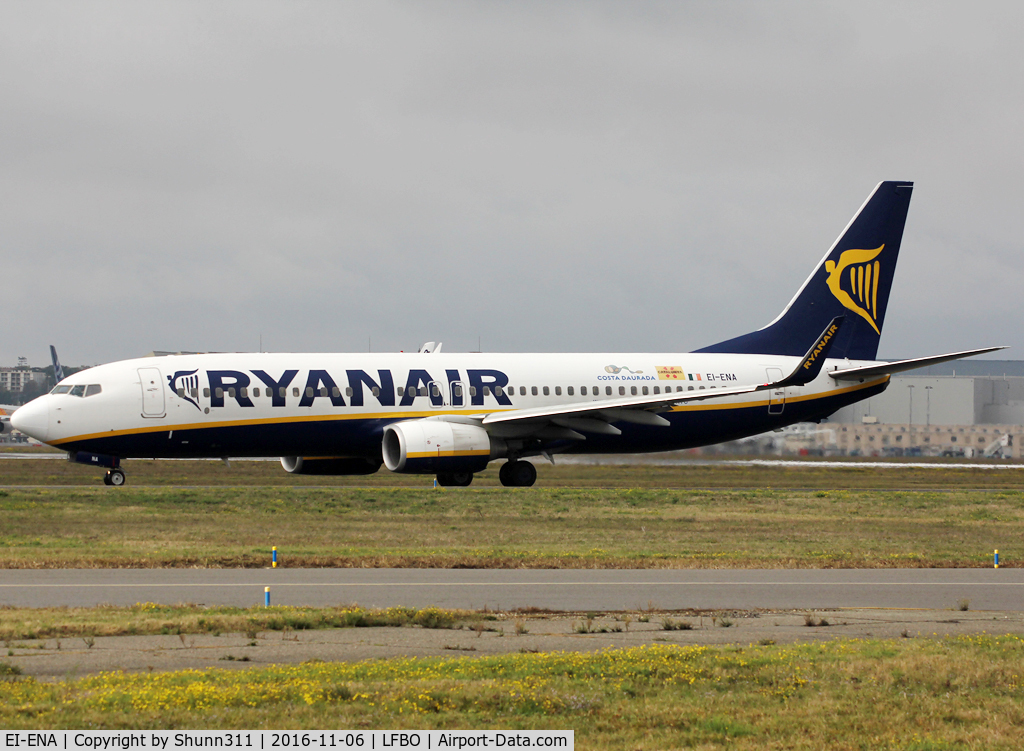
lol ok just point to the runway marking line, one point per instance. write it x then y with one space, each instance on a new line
139 585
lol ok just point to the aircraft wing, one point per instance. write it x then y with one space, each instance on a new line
595 416
900 366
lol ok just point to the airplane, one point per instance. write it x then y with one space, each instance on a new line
451 414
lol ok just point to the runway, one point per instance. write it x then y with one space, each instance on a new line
556 590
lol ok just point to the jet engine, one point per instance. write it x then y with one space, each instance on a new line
5 425
298 465
436 446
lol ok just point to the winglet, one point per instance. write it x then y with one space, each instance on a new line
812 362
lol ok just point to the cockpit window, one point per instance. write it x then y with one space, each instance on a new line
80 390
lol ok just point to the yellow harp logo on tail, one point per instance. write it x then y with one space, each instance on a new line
862 279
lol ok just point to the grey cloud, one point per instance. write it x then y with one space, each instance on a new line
543 176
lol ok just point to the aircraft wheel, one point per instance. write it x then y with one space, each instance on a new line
462 479
445 479
115 477
524 474
517 474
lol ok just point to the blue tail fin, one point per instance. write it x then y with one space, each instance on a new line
58 371
852 280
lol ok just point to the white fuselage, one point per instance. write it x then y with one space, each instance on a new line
256 404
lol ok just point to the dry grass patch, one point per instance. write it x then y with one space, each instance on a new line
151 618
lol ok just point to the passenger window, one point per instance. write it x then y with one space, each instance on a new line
608 390
569 391
244 391
434 390
231 393
423 390
657 390
701 388
348 391
282 391
645 391
295 391
375 391
487 390
680 388
401 391
323 391
498 391
219 392
472 391
522 391
632 390
547 391
309 391
533 390
181 393
206 392
583 390
622 390
457 390
558 390
256 391
689 388
336 392
77 391
195 393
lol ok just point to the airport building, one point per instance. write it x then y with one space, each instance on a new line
964 408
15 379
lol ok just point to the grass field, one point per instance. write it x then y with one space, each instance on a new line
920 694
821 517
811 474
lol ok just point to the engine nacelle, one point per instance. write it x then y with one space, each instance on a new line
432 446
298 465
5 425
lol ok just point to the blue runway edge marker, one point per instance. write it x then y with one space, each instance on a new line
266 597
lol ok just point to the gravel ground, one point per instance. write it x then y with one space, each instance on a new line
53 659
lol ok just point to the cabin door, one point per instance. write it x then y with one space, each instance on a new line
152 392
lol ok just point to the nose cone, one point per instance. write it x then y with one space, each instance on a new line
33 419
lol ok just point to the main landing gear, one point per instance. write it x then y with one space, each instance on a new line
517 474
454 479
114 477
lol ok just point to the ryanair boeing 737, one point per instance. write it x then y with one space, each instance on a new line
451 414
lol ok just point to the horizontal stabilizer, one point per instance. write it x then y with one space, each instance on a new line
900 366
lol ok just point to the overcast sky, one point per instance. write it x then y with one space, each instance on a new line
535 176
